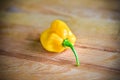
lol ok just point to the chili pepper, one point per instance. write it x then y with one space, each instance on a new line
58 37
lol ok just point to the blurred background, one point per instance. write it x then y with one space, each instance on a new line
96 24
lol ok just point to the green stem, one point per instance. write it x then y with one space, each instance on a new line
67 43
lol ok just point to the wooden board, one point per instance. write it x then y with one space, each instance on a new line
98 41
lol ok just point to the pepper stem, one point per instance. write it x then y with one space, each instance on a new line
67 43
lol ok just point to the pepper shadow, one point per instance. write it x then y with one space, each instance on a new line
34 45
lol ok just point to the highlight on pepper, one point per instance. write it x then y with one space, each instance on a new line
58 37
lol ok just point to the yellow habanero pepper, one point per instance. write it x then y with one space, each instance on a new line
58 37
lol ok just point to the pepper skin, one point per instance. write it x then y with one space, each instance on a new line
58 37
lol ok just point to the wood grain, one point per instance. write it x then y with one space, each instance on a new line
23 58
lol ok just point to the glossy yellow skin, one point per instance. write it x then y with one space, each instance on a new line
52 38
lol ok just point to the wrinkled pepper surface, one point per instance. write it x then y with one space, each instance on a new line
58 37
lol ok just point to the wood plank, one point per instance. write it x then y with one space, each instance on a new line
94 61
95 23
14 68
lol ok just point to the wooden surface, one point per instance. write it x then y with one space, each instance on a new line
95 24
